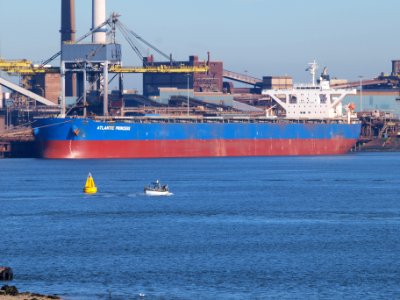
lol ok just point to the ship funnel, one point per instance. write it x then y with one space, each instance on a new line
99 17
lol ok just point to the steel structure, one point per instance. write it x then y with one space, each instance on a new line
25 92
93 62
24 67
159 69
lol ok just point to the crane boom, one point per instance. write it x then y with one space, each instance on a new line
159 69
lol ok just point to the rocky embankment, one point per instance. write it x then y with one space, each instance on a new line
10 292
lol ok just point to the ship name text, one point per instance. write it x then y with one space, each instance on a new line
109 127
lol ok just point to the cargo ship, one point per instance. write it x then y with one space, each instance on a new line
313 124
156 138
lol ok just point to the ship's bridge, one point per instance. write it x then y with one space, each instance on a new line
310 101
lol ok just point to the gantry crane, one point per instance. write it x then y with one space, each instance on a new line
25 67
94 68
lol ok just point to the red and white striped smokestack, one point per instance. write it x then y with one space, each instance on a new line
98 17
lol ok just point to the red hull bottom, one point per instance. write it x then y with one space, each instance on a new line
192 148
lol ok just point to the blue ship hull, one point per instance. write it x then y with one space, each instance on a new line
89 138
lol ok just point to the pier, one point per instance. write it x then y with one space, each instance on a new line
17 143
380 131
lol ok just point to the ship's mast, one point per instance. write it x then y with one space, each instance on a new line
312 68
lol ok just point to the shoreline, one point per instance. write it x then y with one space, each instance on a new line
11 293
28 296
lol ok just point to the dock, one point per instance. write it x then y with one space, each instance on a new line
17 142
380 132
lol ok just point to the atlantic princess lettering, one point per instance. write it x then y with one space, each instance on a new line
120 128
123 128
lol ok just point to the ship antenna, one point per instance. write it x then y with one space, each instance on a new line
312 68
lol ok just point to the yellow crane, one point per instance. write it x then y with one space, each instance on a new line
25 67
159 69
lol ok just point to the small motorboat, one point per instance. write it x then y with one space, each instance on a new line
90 187
157 189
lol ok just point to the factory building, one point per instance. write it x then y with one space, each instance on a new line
46 85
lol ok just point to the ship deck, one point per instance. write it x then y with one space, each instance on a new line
210 119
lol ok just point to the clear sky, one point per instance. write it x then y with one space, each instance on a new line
261 37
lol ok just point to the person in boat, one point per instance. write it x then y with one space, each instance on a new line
157 185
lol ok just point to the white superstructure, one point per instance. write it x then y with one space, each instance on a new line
311 101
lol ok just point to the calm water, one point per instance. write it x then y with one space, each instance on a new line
235 228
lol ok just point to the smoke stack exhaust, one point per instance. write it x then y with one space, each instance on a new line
99 17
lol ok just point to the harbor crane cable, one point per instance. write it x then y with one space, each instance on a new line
125 28
130 41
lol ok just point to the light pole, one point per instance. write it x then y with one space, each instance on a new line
361 100
187 93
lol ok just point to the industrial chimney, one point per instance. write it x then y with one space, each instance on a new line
67 21
99 17
68 31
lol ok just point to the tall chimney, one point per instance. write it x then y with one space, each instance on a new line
99 17
68 30
67 21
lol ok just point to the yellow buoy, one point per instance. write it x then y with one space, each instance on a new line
90 187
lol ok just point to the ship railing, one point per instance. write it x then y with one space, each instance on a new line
232 118
306 86
214 119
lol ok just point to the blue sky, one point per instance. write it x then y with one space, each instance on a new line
262 37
